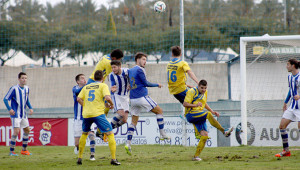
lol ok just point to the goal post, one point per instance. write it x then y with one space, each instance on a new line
259 52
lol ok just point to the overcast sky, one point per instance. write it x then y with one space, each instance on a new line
53 2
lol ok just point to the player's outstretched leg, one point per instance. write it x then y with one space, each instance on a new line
99 134
161 124
92 146
130 132
216 124
118 120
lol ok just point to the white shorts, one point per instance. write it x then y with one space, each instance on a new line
137 105
292 114
19 123
77 126
120 102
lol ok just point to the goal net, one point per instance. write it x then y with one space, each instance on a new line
263 82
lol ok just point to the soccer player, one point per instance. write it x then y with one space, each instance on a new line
139 99
105 67
120 86
80 80
92 98
292 112
195 102
19 97
104 64
177 71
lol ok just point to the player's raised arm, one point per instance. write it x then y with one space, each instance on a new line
145 81
193 76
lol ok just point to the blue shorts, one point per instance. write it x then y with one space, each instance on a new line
90 81
198 119
181 96
101 122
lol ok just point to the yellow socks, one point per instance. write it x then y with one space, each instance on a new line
214 122
201 145
112 145
82 142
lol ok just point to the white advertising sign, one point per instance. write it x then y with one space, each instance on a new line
264 131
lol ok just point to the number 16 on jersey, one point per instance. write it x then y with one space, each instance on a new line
172 76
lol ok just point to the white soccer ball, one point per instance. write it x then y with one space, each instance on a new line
159 7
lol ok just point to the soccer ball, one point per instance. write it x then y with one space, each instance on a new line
159 7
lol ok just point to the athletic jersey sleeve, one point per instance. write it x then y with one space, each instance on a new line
28 104
144 80
10 94
186 66
6 104
77 91
189 96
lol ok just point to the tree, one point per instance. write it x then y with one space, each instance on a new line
111 26
25 10
8 33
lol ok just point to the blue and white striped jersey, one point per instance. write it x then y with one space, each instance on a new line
294 89
77 107
19 99
121 81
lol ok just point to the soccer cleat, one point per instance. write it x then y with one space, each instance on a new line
76 151
92 158
25 152
12 153
105 139
128 149
164 137
283 153
99 134
227 132
197 158
115 162
79 161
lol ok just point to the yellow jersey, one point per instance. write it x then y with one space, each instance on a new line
193 96
103 65
93 96
177 75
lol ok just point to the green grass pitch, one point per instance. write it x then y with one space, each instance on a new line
152 157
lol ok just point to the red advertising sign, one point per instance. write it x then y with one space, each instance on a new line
50 132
